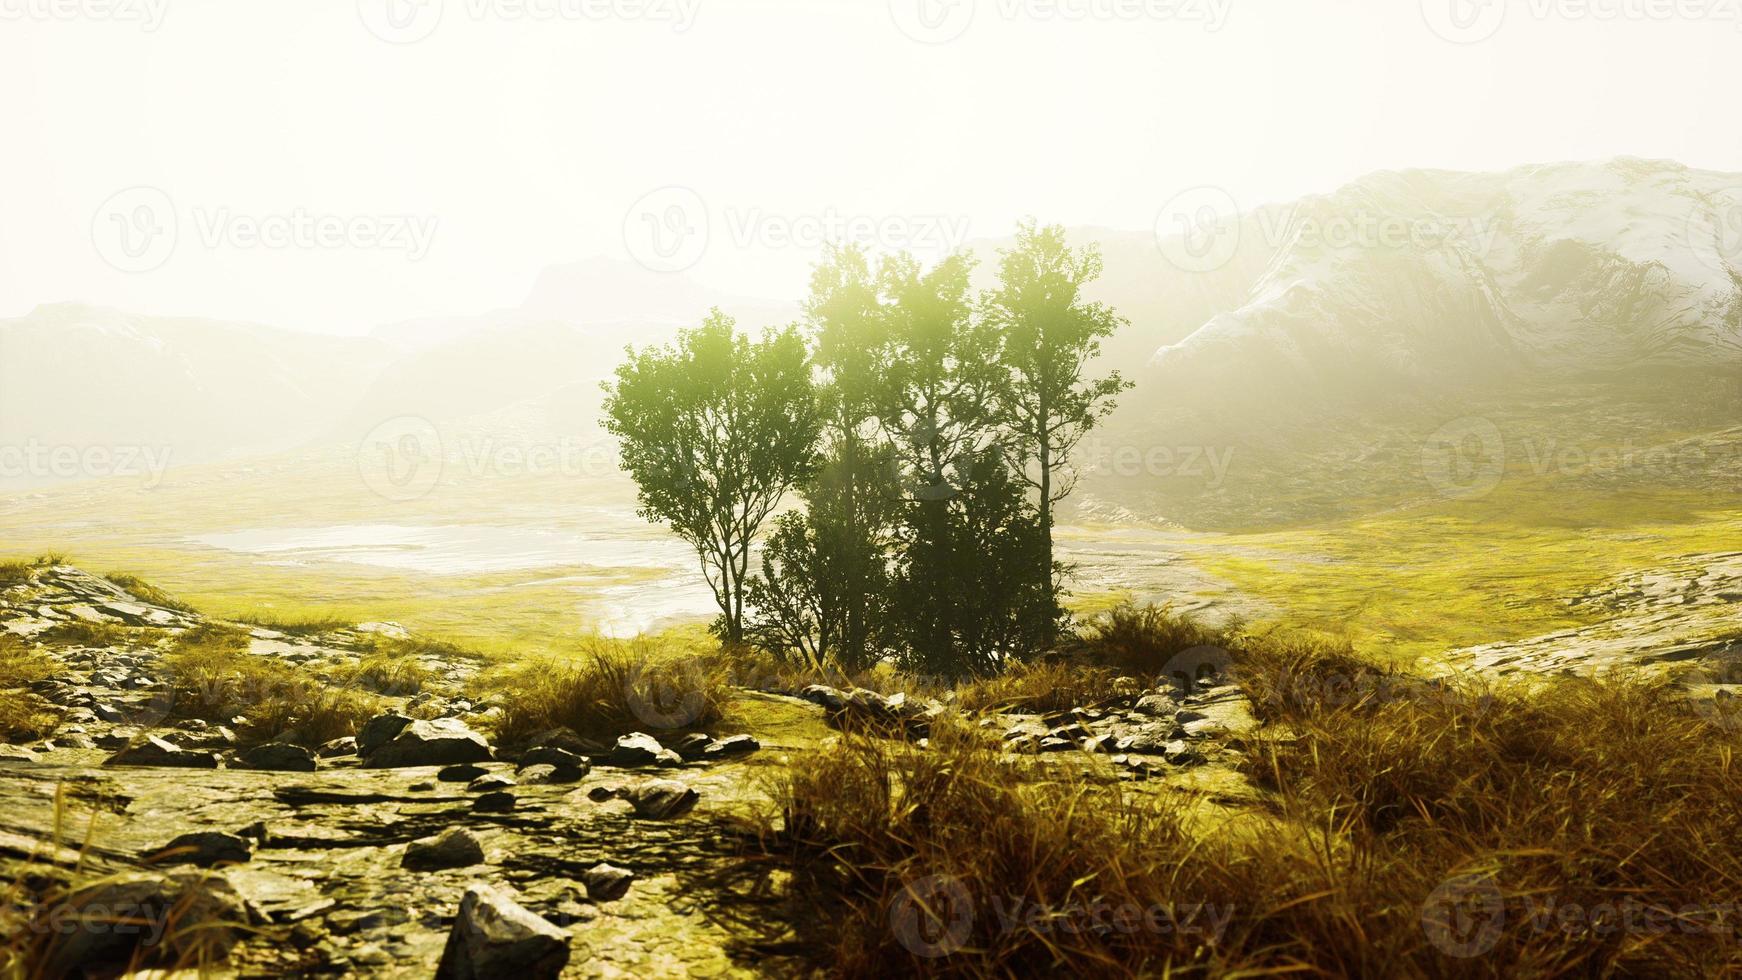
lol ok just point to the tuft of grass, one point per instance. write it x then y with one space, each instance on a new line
78 633
216 678
147 592
312 625
1144 640
611 689
1043 687
24 717
388 669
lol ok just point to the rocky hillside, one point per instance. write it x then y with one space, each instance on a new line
417 838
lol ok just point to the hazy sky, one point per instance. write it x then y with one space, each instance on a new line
406 158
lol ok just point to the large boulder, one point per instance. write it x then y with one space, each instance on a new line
443 742
495 939
180 918
154 751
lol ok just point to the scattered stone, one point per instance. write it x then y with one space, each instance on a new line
430 743
635 750
1054 744
661 799
493 937
497 802
16 755
734 745
338 747
490 782
154 751
545 775
550 755
206 848
421 787
1155 705
463 773
278 757
380 730
692 746
455 847
606 883
599 794
1097 743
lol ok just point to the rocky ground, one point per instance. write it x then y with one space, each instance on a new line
1683 617
418 844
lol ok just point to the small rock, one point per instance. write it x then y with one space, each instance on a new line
338 747
600 794
380 730
606 883
493 937
278 757
543 775
692 746
463 773
205 848
661 799
635 750
430 743
490 782
154 751
1054 744
16 755
455 847
1097 743
421 787
550 755
497 802
734 745
1155 705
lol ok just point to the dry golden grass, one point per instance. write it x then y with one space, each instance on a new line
609 689
24 717
78 633
216 678
1043 687
1413 829
148 592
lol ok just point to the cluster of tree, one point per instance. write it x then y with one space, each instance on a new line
927 431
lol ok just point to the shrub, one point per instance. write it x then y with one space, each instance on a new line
610 690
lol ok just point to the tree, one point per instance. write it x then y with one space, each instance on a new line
854 504
716 430
1050 336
